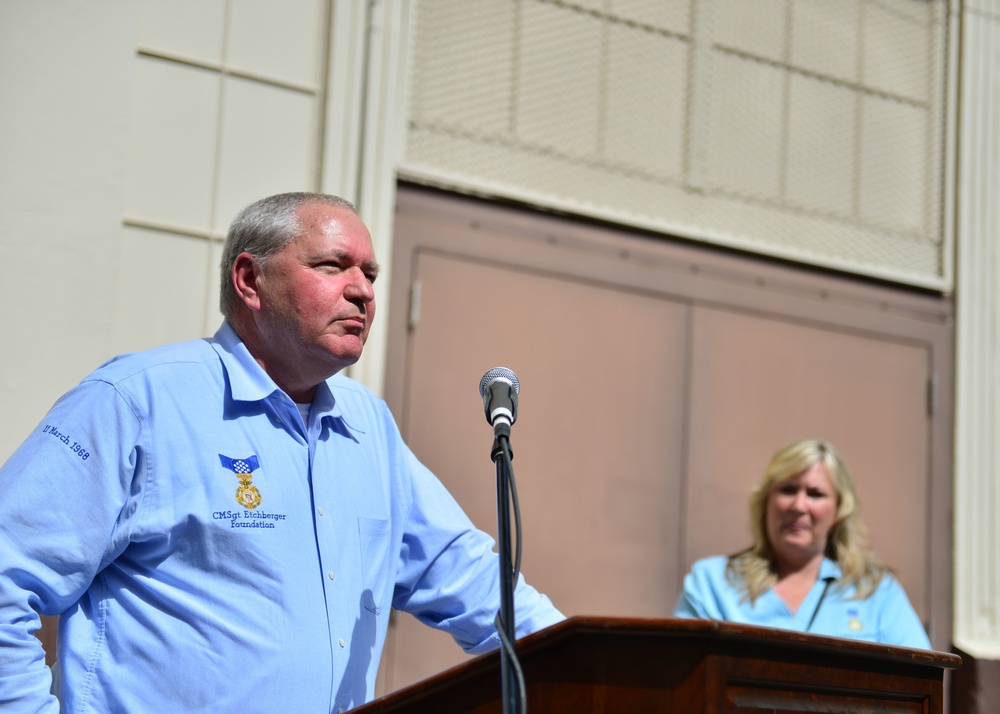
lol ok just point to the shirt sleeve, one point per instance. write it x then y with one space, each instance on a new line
699 597
63 493
898 623
449 575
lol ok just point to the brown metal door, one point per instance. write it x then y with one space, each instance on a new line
657 379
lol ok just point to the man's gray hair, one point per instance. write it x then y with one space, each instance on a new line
262 229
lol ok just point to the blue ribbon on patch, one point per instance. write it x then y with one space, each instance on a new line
240 466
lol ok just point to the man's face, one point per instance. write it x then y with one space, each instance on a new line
317 302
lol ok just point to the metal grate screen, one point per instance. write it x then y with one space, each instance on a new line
808 129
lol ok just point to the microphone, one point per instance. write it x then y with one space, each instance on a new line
499 388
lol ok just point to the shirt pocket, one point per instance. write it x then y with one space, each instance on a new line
375 535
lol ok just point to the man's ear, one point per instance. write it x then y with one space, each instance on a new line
246 273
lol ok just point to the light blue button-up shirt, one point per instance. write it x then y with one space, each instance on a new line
207 550
885 616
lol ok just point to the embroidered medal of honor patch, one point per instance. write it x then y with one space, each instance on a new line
247 494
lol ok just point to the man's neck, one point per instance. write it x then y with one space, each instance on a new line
300 389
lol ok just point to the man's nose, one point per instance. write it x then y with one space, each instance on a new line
359 287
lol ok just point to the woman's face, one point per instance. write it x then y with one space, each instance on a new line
801 512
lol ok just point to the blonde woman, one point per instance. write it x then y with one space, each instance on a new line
809 568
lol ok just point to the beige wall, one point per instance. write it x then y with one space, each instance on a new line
133 132
66 85
977 297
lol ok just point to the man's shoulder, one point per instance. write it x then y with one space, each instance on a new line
359 406
156 361
342 385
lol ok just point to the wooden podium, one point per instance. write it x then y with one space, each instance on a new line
591 664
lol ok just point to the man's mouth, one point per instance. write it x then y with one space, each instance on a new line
353 322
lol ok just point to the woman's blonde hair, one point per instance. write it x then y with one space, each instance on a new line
755 569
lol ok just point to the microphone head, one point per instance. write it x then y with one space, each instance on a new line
499 388
498 373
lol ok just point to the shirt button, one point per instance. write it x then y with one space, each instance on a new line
343 643
331 574
321 511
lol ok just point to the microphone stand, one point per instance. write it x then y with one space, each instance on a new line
509 668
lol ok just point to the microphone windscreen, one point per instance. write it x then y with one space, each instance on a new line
498 373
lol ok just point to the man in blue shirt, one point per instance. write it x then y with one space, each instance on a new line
225 524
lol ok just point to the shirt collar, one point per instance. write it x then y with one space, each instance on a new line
248 382
324 403
829 569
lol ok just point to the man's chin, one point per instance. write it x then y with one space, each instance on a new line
343 358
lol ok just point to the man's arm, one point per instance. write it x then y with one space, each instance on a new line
61 494
449 574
